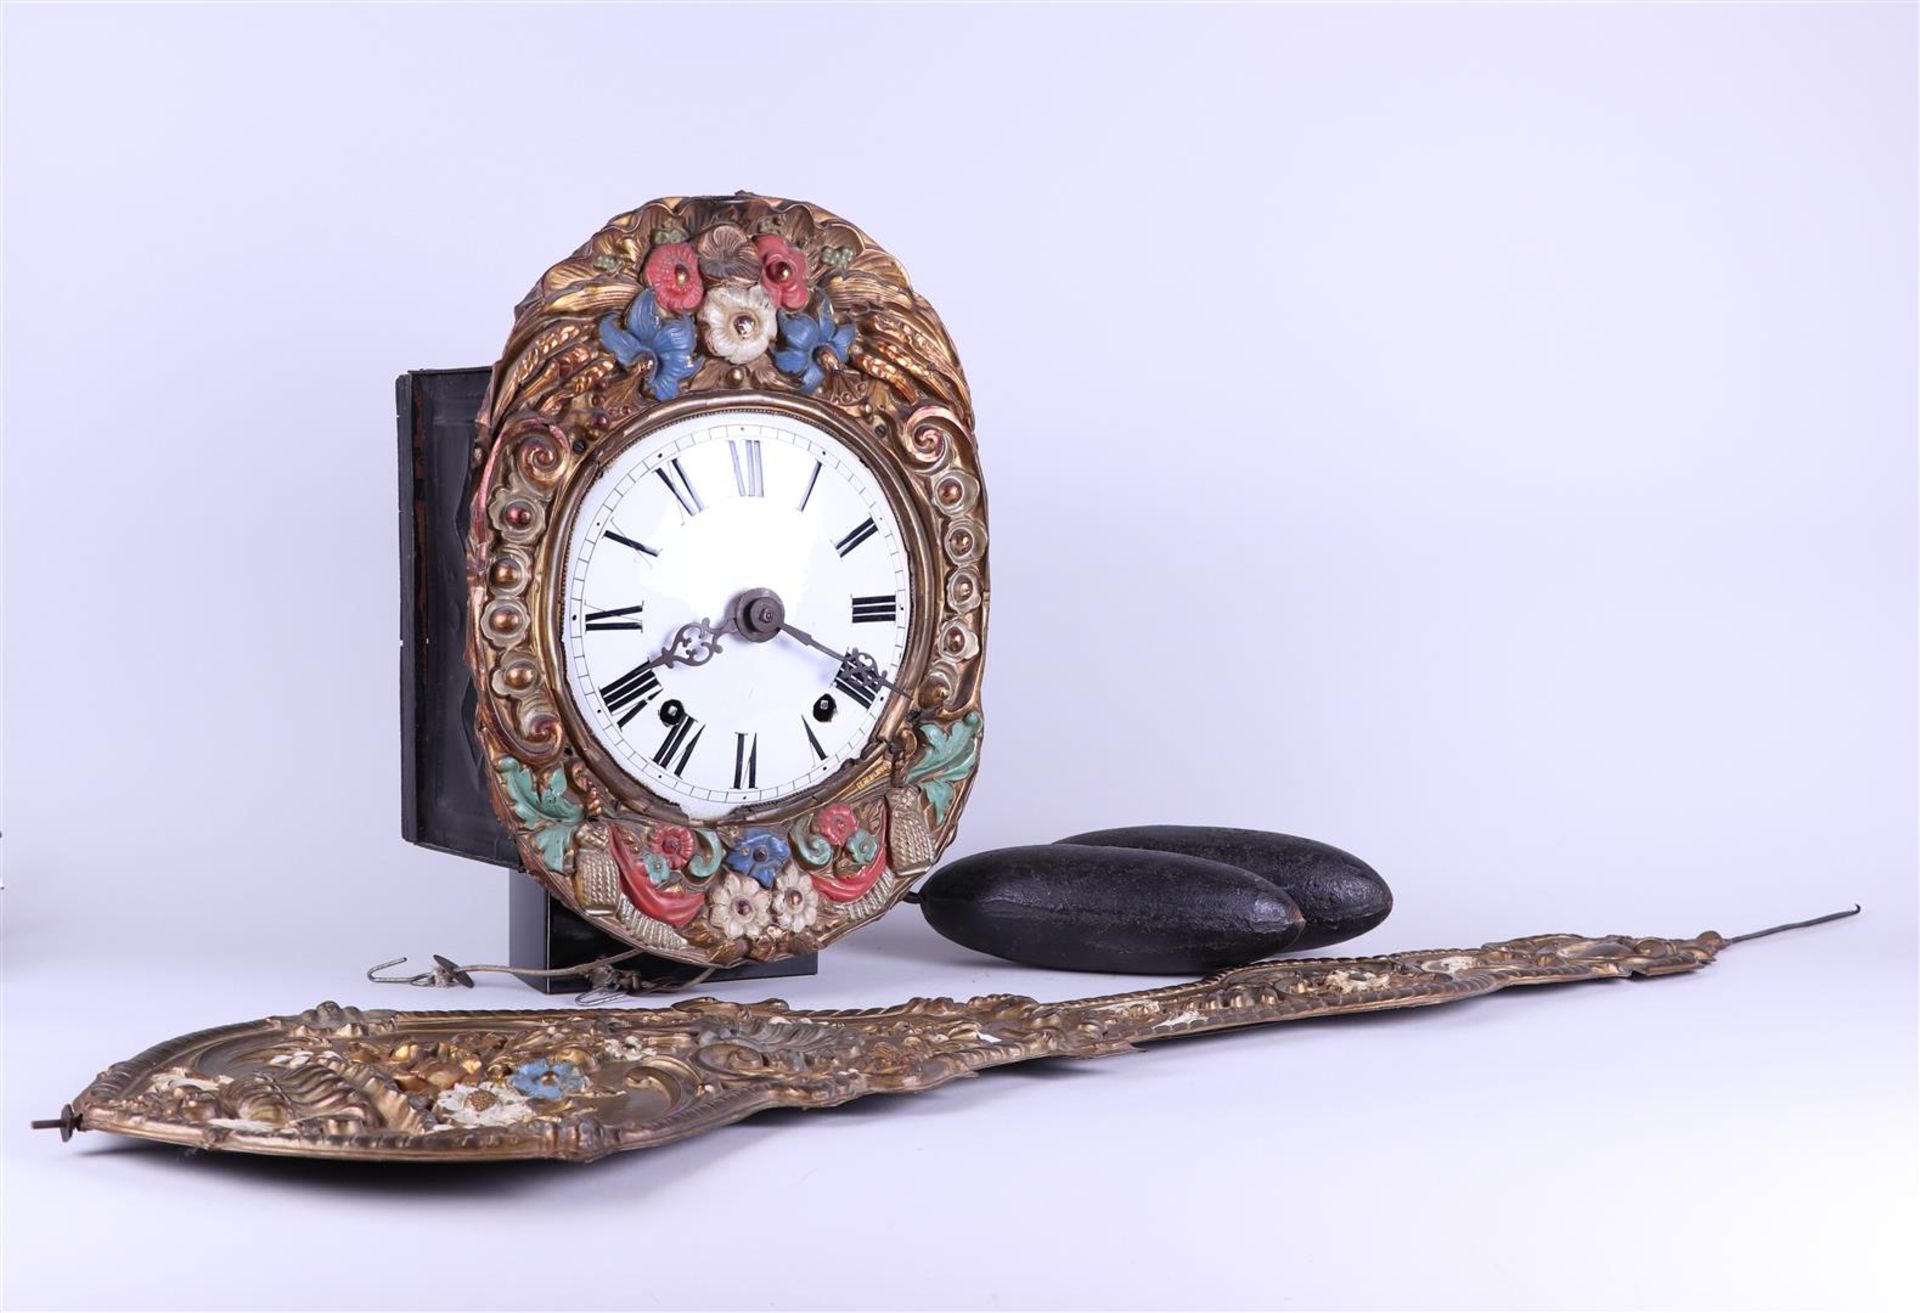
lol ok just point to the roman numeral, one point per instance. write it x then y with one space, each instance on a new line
746 761
625 541
638 686
868 609
863 531
812 742
812 479
858 682
682 490
748 476
612 620
682 737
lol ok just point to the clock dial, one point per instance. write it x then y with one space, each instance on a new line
675 531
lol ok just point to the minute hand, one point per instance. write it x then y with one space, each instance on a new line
852 656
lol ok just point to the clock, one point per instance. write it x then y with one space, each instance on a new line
727 580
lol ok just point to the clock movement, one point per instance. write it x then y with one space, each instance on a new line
727 579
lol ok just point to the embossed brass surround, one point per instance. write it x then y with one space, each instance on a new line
471 1086
552 573
564 392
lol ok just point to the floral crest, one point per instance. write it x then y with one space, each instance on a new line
728 293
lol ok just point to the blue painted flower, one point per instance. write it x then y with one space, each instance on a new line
664 346
863 846
759 854
805 337
541 1079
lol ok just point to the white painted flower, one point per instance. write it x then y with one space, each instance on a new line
252 1124
738 322
796 903
739 908
491 1103
1358 982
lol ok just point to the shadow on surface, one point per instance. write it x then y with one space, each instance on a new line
903 936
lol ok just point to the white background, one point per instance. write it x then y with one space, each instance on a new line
1479 437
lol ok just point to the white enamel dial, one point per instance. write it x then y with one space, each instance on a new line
675 530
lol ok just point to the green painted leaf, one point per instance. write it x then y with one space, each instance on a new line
939 795
950 757
556 802
553 842
950 751
709 861
548 810
811 848
526 805
541 805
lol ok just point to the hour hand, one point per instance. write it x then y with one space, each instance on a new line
693 644
755 615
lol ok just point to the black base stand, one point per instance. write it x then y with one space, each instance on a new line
543 934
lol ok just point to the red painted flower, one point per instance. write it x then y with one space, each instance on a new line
783 272
836 823
675 843
674 276
844 889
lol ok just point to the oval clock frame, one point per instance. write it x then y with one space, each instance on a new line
862 356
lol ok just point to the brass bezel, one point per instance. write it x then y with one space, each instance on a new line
597 361
551 574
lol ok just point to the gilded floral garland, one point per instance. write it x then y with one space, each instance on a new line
344 1083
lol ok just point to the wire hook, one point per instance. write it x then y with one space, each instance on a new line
604 982
445 975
